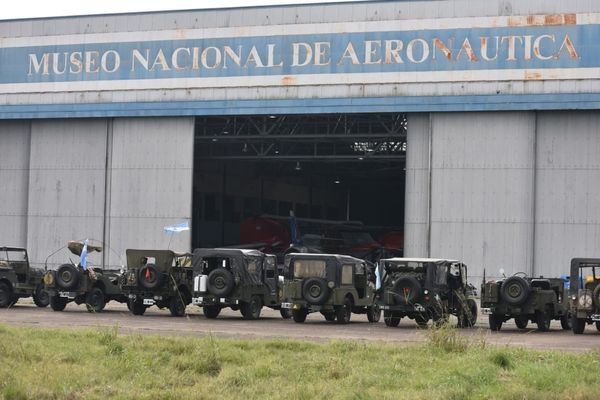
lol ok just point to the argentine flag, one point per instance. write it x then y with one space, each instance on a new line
177 228
83 256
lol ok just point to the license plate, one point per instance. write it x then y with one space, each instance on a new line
286 305
69 295
148 302
596 317
197 300
419 307
486 311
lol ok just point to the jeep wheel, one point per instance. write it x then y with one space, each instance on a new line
329 315
136 307
252 309
407 290
95 300
565 322
515 290
315 290
67 276
41 298
299 314
220 282
58 303
374 313
578 325
542 319
149 277
5 295
343 313
522 321
391 319
421 320
177 306
211 312
495 322
596 296
286 313
598 326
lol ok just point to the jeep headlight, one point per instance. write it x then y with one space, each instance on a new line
330 285
585 299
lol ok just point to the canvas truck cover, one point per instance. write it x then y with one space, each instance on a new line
239 259
436 275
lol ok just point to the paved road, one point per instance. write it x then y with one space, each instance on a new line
230 324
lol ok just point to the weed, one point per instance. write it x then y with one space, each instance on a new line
502 359
446 337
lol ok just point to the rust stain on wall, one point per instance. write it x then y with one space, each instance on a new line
533 75
288 80
543 20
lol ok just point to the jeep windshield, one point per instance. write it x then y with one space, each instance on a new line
310 269
13 255
586 274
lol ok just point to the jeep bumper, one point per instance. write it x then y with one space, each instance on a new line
207 301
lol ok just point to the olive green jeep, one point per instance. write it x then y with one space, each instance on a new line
240 279
426 288
334 285
158 277
525 299
18 279
73 282
584 291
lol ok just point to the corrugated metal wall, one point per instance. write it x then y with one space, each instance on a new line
59 182
14 182
567 212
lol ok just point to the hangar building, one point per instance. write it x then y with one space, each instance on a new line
472 126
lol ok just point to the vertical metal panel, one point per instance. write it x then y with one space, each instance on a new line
568 190
417 187
14 176
66 194
482 190
151 183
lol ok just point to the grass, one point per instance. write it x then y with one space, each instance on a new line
59 364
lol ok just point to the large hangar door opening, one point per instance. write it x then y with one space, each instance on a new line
342 176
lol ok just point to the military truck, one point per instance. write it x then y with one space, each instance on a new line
158 277
525 299
426 288
584 291
18 279
74 282
332 284
240 279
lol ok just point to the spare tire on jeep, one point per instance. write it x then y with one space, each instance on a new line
149 277
406 290
315 290
67 276
220 282
515 290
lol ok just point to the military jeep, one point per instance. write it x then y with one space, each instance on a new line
525 299
92 286
334 285
244 280
18 279
584 291
158 277
426 288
